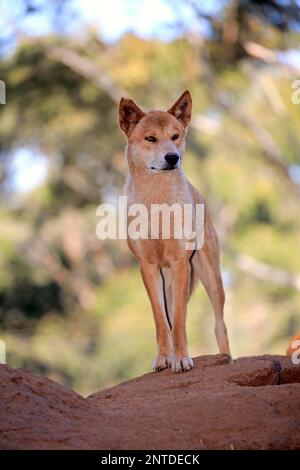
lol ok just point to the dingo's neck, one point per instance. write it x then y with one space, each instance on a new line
163 187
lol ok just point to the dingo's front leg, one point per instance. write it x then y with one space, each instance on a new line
154 285
181 273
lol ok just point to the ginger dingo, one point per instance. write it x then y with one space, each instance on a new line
156 142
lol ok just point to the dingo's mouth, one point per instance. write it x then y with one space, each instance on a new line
170 168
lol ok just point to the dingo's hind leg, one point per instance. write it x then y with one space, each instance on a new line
206 265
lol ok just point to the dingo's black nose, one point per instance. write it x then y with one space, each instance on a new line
172 158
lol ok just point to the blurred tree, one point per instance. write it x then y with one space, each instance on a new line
241 24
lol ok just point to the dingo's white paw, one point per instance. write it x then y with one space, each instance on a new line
182 364
160 363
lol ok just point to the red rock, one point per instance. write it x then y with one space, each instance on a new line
253 403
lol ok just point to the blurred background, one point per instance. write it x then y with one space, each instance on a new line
73 307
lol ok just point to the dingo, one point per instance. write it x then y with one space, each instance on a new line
156 142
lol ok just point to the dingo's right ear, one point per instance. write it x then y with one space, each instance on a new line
129 115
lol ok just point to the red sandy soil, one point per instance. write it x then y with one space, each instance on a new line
253 403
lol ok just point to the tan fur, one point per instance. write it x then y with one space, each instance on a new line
169 271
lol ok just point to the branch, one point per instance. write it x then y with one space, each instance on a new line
87 69
203 123
270 150
266 272
260 52
265 54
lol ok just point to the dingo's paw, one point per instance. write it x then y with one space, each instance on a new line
160 363
182 364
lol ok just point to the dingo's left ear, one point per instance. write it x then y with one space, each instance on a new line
129 115
182 109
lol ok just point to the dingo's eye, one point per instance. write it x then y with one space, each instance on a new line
150 138
175 137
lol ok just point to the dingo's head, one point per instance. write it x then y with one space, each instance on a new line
156 139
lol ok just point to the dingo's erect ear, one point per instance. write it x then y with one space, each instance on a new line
129 115
182 109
